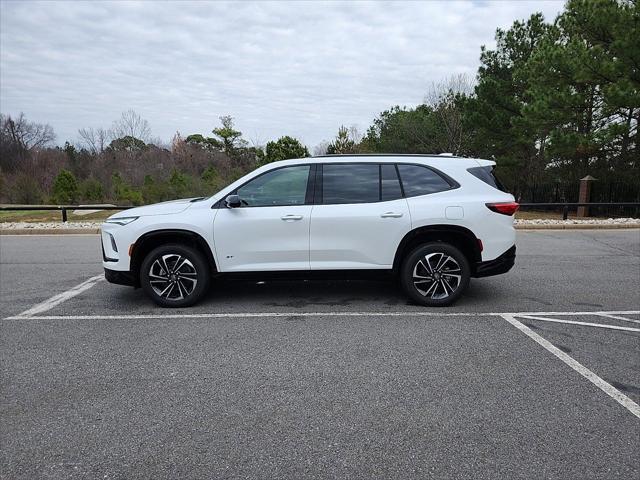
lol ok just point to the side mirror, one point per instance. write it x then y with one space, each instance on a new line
233 201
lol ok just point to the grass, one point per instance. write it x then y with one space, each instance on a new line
557 215
52 216
541 215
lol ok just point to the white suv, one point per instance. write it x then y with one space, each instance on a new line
433 220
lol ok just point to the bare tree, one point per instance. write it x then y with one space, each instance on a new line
443 97
455 84
28 135
94 140
131 124
354 134
321 148
19 137
256 142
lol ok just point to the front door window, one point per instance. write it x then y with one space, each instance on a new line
284 186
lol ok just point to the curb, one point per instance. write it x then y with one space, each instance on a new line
578 226
96 231
50 231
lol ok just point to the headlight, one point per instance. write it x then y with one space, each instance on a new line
121 220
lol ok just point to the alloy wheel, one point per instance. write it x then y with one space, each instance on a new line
173 276
437 275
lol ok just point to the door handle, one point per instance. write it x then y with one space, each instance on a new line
391 215
288 218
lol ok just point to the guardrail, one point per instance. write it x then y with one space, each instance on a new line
64 208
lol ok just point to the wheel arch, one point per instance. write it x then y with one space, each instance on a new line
460 237
150 240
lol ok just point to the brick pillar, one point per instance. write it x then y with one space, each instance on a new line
584 195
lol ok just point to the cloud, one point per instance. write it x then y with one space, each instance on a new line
280 68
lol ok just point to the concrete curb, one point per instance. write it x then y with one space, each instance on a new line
95 231
578 226
50 231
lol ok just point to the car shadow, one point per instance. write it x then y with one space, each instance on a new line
379 294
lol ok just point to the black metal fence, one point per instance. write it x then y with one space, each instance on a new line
566 207
601 191
547 192
615 192
607 198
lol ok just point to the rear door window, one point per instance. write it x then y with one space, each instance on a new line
350 183
420 180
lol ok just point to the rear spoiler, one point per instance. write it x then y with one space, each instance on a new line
485 163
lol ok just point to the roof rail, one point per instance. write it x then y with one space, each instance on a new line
387 155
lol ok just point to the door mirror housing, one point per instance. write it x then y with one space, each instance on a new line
233 201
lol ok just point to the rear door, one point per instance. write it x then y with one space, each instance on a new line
359 216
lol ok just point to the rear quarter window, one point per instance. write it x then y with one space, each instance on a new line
487 175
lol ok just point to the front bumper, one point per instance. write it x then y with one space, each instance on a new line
500 265
120 278
115 241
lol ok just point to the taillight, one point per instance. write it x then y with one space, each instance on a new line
505 208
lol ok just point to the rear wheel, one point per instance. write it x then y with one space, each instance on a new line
435 274
174 275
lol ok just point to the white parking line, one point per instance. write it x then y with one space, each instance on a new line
617 317
30 314
573 322
59 298
581 313
607 388
249 314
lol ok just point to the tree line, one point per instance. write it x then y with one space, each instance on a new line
552 102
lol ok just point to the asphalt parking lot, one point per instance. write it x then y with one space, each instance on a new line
533 374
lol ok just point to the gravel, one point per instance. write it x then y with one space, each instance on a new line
48 225
582 221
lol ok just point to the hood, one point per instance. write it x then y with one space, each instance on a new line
163 208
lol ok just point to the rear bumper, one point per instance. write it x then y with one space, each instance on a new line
120 278
500 265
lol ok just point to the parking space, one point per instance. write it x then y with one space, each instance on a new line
533 374
608 346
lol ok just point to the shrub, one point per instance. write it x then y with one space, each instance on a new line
180 184
123 193
65 187
91 190
24 190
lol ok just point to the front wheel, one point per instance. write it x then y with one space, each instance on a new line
174 275
435 274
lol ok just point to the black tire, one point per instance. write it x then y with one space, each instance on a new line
178 283
428 287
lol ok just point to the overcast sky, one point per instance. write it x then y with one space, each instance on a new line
280 68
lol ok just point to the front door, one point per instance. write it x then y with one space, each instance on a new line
270 231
